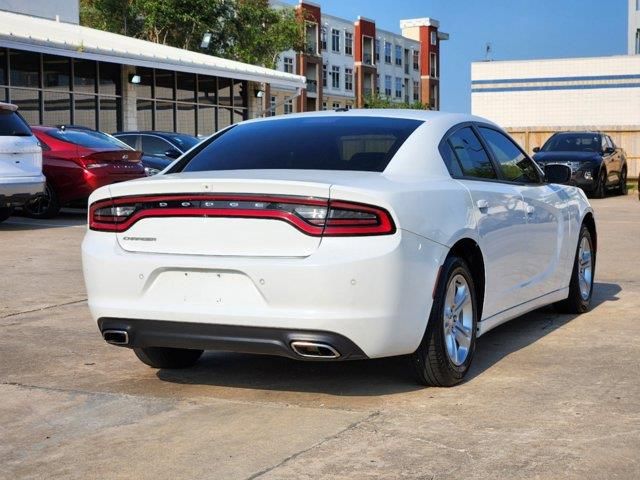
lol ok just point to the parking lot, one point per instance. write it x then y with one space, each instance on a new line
549 396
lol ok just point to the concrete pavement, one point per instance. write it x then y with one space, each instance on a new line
550 396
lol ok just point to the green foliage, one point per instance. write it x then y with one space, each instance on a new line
246 30
378 101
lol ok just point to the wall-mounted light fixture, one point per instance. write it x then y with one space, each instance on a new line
259 93
206 40
135 78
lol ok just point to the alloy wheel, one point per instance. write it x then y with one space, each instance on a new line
585 268
458 320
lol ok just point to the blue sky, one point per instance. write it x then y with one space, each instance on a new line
516 29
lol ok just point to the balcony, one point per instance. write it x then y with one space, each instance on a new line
406 68
367 59
312 86
367 92
311 48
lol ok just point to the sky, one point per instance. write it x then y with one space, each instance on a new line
516 30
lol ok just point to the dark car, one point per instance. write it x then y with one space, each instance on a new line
597 164
76 161
159 148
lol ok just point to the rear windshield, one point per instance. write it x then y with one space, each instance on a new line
185 142
89 139
313 143
573 142
12 125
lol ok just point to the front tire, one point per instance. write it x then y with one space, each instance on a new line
163 357
5 212
622 187
446 351
581 284
601 187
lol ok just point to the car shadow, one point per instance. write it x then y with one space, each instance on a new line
66 218
367 377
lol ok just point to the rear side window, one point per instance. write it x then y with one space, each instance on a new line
472 157
313 143
88 139
514 165
130 140
152 145
12 125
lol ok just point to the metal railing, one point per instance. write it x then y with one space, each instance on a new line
367 59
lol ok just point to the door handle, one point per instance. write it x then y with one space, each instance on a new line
482 204
530 209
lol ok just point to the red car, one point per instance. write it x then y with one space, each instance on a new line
76 161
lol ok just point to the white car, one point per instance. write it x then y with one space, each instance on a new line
337 236
21 178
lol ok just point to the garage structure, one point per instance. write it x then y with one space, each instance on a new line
63 73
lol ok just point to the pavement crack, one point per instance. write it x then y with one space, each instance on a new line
316 445
46 307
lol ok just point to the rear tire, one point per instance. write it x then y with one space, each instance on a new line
44 206
446 351
162 357
5 212
580 288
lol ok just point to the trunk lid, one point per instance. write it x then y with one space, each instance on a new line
20 156
224 234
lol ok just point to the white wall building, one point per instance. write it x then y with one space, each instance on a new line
62 10
634 27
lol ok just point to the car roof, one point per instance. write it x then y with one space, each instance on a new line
434 117
151 132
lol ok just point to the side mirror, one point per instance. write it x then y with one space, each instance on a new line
536 149
172 153
557 173
609 150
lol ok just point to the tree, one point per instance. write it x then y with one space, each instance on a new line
246 30
378 101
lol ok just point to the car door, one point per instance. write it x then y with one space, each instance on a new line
544 256
617 159
609 160
500 218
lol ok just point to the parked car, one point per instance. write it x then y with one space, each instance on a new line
159 149
337 236
597 164
77 161
21 178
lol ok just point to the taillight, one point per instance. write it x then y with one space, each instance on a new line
312 216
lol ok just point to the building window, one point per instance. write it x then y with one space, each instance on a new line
288 107
398 87
387 85
377 83
348 43
335 77
387 52
434 37
335 40
348 79
416 91
324 75
288 64
638 40
323 38
336 105
434 97
416 60
434 65
377 49
324 105
399 55
272 106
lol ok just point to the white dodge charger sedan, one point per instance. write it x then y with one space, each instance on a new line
337 236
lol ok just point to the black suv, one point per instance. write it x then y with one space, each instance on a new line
597 164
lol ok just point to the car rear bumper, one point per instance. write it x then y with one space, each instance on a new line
16 191
373 291
255 340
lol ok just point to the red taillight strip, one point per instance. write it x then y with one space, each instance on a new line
382 225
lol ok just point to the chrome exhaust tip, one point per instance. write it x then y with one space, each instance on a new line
116 337
314 350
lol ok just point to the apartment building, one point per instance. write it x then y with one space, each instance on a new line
346 61
634 27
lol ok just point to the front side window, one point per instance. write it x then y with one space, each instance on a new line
515 166
348 43
319 143
155 146
335 40
470 154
